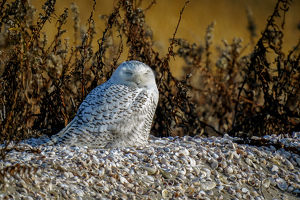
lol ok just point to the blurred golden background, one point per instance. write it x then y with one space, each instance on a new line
215 97
230 17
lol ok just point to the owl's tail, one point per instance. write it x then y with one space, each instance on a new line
60 136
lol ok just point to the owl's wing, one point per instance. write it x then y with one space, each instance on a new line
69 134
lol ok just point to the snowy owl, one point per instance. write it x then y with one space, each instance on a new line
118 113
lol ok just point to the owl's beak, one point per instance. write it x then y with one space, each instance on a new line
137 79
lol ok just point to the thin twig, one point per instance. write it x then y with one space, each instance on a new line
170 50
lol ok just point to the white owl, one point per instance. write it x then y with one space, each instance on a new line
118 113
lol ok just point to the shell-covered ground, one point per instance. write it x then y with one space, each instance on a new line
167 168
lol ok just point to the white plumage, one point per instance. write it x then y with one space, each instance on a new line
118 113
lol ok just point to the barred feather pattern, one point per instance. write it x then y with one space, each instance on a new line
114 114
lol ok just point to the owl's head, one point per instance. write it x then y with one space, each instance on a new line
134 74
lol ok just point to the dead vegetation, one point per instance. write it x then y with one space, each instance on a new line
43 82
